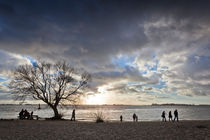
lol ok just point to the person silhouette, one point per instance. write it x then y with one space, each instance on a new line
31 116
121 118
21 114
73 115
134 117
170 116
163 116
176 115
26 114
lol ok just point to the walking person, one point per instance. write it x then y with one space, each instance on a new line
163 116
73 115
170 116
134 117
121 118
176 115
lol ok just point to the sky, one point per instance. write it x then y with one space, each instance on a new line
138 52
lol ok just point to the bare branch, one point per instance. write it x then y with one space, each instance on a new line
51 83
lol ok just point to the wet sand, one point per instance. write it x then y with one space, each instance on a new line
63 130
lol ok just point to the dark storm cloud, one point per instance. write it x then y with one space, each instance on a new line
76 24
90 33
86 29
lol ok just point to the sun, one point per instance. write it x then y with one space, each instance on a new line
99 98
96 99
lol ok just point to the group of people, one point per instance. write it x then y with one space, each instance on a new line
24 114
170 117
135 117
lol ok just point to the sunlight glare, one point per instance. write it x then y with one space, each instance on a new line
97 99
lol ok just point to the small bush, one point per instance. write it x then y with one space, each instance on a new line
99 117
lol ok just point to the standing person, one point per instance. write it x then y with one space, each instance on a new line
73 115
170 116
163 116
21 114
121 118
176 115
26 114
134 117
31 116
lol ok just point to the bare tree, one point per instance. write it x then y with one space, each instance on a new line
54 84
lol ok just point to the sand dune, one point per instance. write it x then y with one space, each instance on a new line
56 130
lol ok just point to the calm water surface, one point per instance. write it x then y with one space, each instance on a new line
111 112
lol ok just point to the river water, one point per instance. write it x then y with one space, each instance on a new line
110 112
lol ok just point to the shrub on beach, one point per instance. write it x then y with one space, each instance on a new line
99 117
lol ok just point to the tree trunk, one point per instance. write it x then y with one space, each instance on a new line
57 116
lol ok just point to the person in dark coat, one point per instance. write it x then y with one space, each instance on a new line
170 116
134 117
26 114
121 118
176 115
31 116
163 116
73 115
21 114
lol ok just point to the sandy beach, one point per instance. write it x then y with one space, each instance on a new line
54 130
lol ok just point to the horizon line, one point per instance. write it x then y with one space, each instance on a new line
154 104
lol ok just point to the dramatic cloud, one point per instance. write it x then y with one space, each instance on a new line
10 61
150 51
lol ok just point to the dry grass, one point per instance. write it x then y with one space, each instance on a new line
99 117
